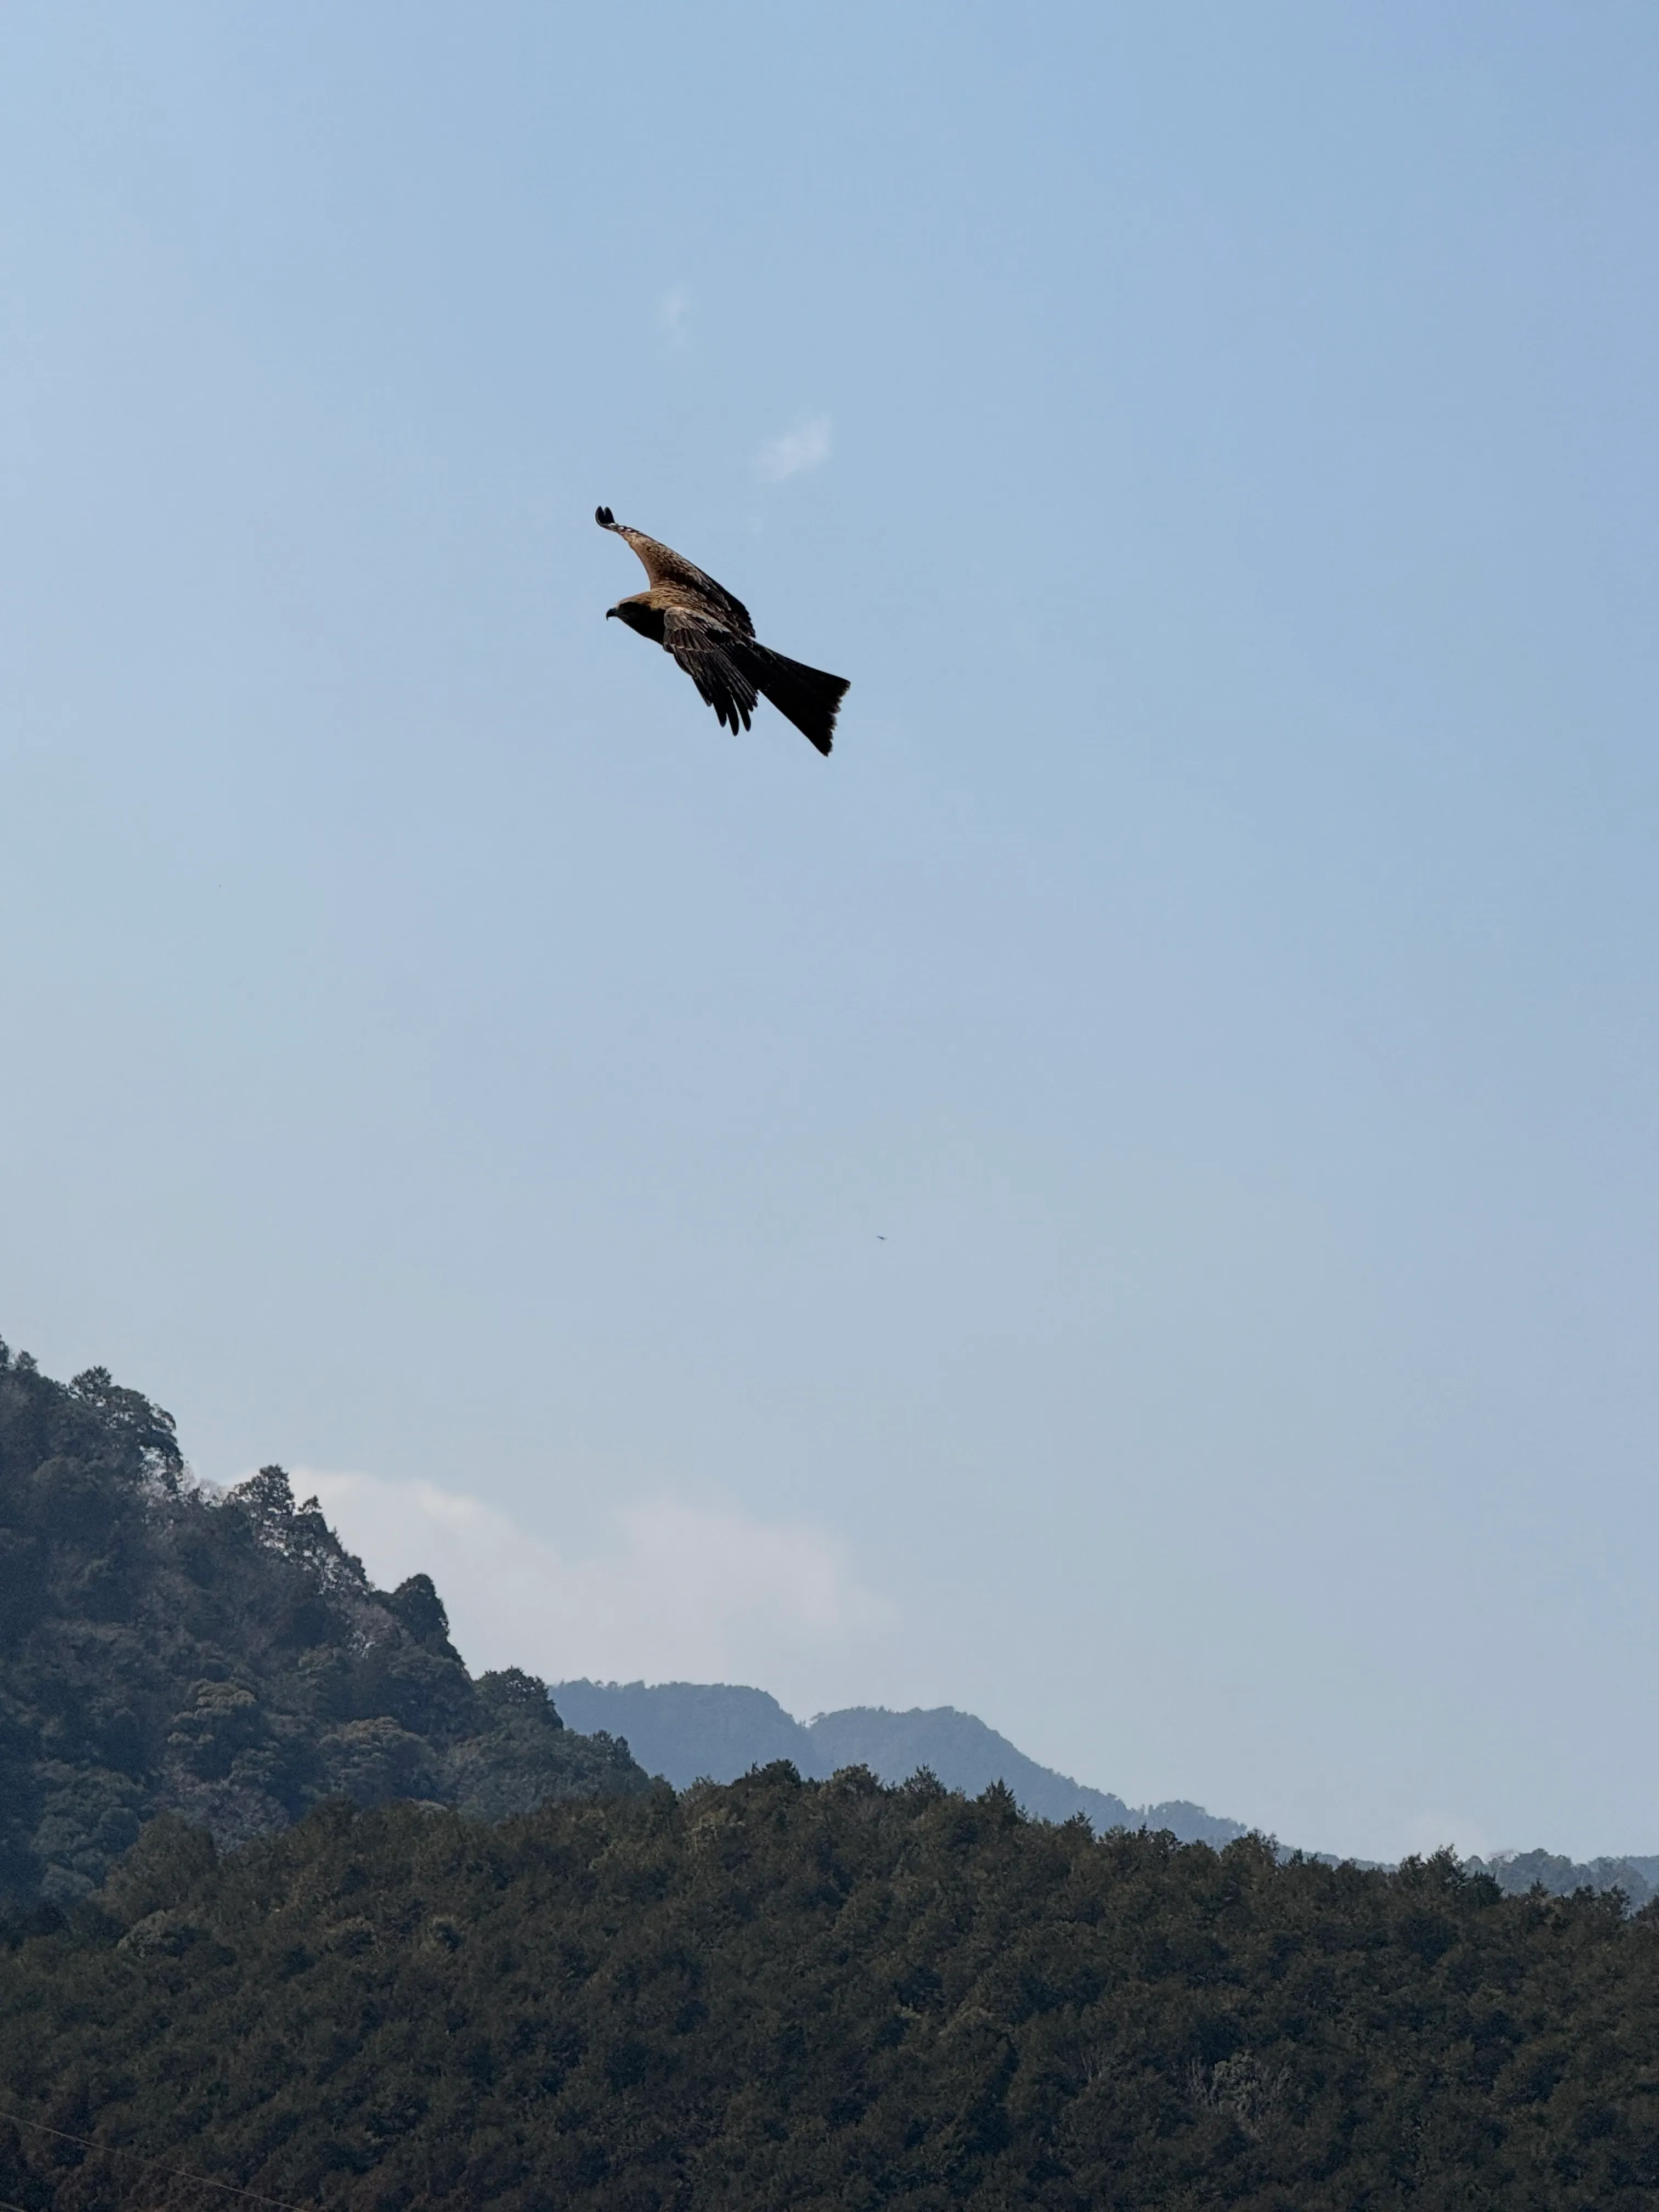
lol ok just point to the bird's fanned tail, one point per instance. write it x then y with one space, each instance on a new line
808 696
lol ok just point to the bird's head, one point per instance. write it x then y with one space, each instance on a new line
646 620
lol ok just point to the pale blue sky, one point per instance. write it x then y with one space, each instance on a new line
1219 958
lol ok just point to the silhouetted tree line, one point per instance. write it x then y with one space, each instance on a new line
831 1994
164 1649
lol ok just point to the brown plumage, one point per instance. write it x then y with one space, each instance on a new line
711 637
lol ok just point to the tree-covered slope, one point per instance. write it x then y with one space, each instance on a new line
823 1995
161 1649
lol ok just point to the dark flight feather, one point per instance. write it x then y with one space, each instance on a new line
709 652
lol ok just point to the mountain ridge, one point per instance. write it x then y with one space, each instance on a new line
692 1731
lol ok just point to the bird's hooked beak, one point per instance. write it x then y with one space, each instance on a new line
608 612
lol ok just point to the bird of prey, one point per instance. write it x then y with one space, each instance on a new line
711 637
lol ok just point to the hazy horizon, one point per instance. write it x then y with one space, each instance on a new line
1124 1200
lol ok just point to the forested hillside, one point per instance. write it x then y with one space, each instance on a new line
819 1994
161 1649
690 1731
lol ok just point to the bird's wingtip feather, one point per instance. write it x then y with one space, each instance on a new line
604 518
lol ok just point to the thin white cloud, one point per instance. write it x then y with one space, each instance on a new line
806 446
674 318
673 1591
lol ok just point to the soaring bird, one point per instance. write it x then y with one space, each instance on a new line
711 637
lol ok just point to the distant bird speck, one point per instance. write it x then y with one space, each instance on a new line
711 637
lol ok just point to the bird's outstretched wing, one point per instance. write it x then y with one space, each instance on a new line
714 660
663 565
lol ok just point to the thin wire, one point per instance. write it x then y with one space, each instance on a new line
121 2150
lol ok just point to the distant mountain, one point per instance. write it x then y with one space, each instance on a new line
1517 1872
164 1649
690 1732
965 1754
715 1731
